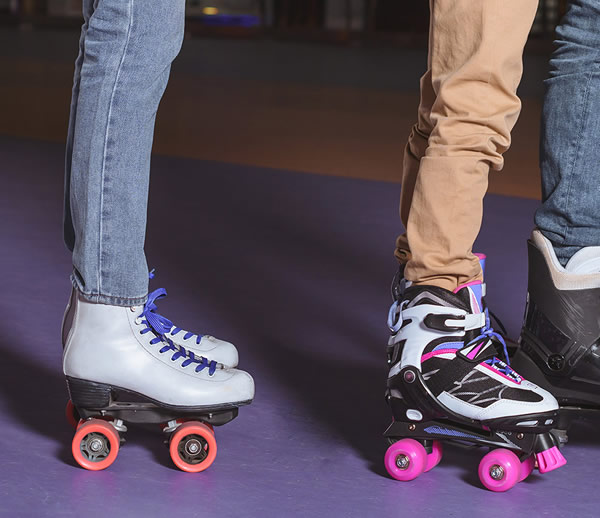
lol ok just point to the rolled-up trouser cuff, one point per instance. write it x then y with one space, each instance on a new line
111 300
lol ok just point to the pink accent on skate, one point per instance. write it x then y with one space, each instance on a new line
434 458
466 285
550 459
426 357
527 467
474 351
495 371
475 299
482 258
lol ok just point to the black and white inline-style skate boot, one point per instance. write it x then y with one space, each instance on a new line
560 340
120 370
205 345
447 382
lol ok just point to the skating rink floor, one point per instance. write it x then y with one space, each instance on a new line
294 268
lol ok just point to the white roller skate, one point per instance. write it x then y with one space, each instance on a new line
447 382
119 369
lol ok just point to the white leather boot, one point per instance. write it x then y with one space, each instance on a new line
118 349
208 346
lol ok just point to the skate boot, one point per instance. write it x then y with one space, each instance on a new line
119 370
201 345
400 284
560 340
447 382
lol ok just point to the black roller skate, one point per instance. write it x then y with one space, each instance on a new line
560 340
446 382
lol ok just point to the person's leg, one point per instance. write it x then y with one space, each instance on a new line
445 359
125 52
126 49
68 230
569 153
476 65
558 343
114 341
415 149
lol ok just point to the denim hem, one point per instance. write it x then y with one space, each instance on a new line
110 300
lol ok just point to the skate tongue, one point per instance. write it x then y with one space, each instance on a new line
472 293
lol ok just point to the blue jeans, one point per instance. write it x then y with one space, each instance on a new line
125 54
570 138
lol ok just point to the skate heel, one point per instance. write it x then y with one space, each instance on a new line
550 459
88 394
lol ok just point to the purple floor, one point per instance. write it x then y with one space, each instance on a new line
294 268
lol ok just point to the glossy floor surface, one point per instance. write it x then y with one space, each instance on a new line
293 268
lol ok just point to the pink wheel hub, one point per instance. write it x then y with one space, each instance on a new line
500 470
406 459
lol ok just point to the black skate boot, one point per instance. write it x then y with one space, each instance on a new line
560 340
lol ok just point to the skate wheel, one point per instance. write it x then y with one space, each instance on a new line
434 458
499 470
527 467
405 460
95 445
193 447
72 414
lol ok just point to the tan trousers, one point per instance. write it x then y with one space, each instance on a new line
468 108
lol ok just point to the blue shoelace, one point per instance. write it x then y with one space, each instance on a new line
160 326
165 325
487 332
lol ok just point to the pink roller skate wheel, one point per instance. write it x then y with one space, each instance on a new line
500 470
405 460
527 467
434 458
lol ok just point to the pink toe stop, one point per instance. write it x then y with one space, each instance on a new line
550 459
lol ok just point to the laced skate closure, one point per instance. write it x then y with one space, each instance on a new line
488 332
159 326
166 326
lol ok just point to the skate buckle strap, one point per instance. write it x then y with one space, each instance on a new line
449 322
480 349
394 320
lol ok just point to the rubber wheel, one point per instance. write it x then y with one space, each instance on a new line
434 458
72 414
193 447
500 470
95 445
405 460
527 466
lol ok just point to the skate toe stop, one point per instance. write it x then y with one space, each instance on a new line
550 459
